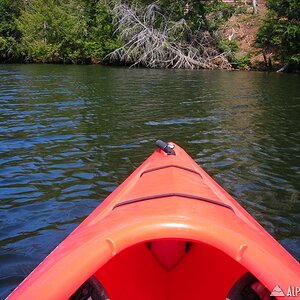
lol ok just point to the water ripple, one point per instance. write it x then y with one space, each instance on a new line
181 121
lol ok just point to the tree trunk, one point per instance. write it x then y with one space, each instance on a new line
254 5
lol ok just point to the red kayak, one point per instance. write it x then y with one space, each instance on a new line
168 232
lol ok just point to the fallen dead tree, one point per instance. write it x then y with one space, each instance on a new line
152 40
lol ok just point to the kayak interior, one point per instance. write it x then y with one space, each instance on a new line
170 269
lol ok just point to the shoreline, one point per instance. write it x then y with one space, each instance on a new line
258 68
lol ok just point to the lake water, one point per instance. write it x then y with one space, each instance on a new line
70 134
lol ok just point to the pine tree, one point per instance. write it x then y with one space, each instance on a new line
9 33
53 31
281 30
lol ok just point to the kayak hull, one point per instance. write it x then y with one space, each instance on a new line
169 231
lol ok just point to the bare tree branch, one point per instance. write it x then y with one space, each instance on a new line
152 41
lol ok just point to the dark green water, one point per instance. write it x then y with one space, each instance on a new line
70 134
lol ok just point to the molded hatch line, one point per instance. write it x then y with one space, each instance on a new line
170 166
173 195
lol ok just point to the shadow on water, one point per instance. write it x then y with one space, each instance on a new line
70 134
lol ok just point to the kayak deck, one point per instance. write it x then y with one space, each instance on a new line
168 232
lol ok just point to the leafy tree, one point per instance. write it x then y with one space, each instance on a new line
193 12
204 15
101 39
9 34
281 30
66 31
52 30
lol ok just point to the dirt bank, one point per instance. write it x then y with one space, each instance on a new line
242 28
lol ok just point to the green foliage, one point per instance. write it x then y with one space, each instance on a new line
100 39
280 32
242 62
193 12
204 15
63 31
218 12
227 46
9 34
52 30
285 8
231 47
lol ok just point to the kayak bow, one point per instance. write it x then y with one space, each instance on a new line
168 232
